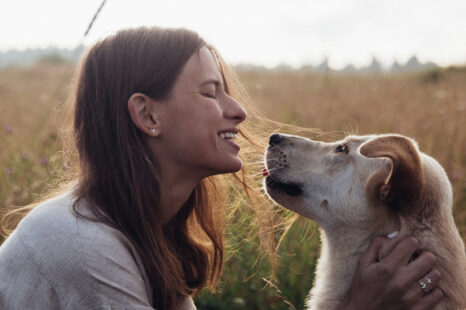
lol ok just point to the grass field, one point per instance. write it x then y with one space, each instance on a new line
428 106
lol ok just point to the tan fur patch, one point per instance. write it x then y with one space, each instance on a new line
405 182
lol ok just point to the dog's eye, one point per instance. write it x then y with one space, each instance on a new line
342 148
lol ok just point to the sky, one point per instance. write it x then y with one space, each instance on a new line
260 32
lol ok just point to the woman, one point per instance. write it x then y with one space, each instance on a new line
155 119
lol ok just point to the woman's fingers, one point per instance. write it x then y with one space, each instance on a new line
395 282
428 282
430 300
423 286
417 281
402 252
420 266
371 255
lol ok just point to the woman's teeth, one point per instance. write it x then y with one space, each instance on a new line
227 135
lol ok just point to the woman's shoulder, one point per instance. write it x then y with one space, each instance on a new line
76 255
48 216
54 223
54 230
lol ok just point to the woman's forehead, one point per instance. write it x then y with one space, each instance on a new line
200 68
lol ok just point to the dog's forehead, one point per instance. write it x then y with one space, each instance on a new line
357 140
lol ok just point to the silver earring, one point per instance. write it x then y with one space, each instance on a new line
153 130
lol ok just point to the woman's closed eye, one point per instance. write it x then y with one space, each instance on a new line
209 91
211 95
210 88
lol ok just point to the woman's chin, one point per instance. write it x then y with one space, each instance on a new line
238 166
230 167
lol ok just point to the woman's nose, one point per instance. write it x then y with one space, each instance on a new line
234 110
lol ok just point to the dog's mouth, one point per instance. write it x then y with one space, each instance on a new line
275 162
289 188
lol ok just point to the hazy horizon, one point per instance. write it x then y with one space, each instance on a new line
264 33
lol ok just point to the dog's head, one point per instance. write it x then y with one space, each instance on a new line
345 182
369 185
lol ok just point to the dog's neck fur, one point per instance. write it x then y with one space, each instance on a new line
341 251
340 255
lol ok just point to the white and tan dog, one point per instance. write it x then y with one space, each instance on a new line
361 187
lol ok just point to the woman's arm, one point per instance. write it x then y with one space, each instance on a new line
392 283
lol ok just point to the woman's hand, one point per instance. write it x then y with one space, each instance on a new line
392 283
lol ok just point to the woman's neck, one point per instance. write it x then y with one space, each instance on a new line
176 189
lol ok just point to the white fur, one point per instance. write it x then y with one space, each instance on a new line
333 194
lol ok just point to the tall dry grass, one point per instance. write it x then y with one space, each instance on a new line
31 104
429 107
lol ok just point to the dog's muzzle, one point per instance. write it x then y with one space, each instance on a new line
276 163
291 189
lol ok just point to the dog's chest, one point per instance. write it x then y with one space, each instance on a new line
334 273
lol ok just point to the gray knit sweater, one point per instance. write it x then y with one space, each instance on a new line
53 260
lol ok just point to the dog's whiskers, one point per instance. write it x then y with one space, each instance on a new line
257 162
277 147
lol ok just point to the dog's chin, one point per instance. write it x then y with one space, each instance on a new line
276 187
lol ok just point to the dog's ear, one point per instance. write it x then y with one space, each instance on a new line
403 184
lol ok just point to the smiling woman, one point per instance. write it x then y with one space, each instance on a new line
154 121
199 110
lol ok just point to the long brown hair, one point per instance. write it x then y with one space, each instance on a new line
118 171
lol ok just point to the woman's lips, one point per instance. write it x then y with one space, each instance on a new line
232 144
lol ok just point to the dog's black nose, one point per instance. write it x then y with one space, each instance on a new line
275 139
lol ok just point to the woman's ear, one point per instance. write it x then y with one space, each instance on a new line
141 114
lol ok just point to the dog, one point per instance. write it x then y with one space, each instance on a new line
361 187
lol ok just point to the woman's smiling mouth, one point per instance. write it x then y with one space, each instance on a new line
228 137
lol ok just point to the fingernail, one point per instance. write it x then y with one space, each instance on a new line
393 234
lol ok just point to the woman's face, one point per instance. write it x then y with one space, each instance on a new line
198 121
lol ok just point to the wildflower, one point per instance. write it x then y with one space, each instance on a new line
456 175
44 161
8 129
9 170
66 166
239 301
